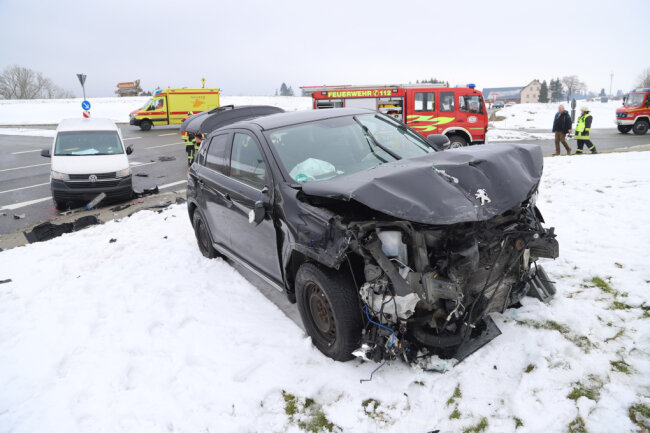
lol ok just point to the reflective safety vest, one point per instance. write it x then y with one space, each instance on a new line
582 132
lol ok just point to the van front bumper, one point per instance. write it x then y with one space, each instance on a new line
135 121
624 121
117 189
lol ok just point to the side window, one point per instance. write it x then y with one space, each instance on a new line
447 101
246 161
156 104
215 158
425 101
470 104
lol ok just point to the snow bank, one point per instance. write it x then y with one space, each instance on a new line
146 335
52 111
540 116
496 134
33 132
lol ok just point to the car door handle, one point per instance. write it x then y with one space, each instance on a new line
200 182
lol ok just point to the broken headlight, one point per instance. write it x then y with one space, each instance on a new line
59 176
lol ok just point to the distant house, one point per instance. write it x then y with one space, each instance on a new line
528 93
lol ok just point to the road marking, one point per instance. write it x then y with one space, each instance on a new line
26 166
162 135
172 184
23 204
24 187
163 145
131 138
141 164
25 151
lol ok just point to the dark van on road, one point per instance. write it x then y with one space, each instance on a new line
389 247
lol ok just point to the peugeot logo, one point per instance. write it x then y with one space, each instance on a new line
92 178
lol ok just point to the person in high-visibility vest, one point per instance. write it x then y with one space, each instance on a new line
198 139
189 148
583 131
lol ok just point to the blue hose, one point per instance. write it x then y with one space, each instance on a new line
392 338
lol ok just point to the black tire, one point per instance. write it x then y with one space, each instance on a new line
60 205
146 125
330 310
203 237
641 127
624 129
456 141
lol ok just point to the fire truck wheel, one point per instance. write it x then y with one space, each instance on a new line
145 125
624 129
456 141
641 127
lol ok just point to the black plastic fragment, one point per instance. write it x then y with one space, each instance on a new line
47 230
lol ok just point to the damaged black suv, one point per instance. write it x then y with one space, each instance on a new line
391 248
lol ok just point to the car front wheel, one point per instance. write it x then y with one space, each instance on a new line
624 129
330 310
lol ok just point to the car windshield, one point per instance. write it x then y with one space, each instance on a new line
77 143
634 100
329 148
146 104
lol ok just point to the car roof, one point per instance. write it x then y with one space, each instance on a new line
296 117
91 124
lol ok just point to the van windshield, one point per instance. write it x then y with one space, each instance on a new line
634 100
78 143
329 148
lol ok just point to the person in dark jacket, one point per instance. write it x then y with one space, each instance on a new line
583 131
561 127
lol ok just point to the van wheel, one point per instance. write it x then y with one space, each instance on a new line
329 308
202 234
145 125
624 129
456 141
640 127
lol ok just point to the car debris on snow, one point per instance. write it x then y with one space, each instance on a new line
47 230
166 158
19 216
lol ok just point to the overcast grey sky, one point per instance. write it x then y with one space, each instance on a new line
250 47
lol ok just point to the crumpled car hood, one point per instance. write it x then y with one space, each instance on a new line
461 185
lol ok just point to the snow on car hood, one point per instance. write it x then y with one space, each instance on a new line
460 185
89 164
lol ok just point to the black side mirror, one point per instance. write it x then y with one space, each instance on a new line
46 153
438 141
129 150
257 214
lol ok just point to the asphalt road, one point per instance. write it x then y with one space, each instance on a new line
25 174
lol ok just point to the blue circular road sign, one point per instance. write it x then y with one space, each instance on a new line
85 105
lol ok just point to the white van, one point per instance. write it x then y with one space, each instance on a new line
88 158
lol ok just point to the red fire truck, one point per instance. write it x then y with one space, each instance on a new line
634 115
457 112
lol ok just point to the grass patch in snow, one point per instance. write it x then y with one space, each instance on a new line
616 305
518 423
590 390
308 415
529 368
577 426
640 415
455 414
618 334
454 396
371 408
481 426
620 366
579 340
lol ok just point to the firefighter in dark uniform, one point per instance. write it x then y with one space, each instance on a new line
583 131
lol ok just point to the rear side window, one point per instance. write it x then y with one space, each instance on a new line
425 101
470 104
215 158
246 161
447 101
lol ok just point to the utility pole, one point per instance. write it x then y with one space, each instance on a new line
611 79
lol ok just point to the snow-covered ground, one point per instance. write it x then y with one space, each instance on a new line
496 134
52 111
540 116
145 335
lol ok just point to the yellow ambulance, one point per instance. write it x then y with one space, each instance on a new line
171 106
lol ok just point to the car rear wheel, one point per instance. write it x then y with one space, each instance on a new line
456 141
145 125
330 310
624 129
641 127
203 236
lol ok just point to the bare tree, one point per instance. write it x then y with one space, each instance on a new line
573 85
644 78
17 82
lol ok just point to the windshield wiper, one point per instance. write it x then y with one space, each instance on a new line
374 140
